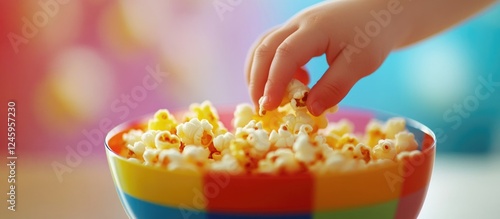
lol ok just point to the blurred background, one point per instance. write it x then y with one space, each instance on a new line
77 68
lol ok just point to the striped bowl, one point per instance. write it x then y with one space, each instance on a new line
390 191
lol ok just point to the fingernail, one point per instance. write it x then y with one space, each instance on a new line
317 108
263 101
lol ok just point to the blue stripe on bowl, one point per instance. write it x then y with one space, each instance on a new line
140 209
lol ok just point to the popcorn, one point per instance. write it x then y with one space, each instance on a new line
272 120
149 138
287 140
385 149
196 132
359 151
243 115
228 164
150 157
260 140
221 142
132 136
347 138
282 137
168 156
374 133
406 155
280 160
405 141
394 126
304 150
340 128
196 154
137 148
162 120
205 111
166 140
296 94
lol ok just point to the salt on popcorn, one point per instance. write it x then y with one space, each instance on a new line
287 140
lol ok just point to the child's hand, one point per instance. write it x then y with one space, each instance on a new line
348 32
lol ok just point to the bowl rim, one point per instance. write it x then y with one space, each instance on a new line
375 112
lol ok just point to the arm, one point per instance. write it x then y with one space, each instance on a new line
428 17
355 35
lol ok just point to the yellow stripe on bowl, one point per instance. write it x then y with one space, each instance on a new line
358 188
151 184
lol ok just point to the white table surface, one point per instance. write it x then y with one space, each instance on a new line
464 187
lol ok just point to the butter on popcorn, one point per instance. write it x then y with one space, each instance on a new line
287 140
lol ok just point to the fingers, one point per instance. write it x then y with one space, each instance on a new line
333 86
250 56
261 62
295 51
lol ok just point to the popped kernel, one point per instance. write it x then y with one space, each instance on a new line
228 164
222 141
137 148
394 126
406 155
304 150
282 137
162 120
243 115
374 132
195 154
166 140
151 157
206 111
283 159
347 138
132 136
340 128
359 151
149 138
385 149
296 94
405 141
196 132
